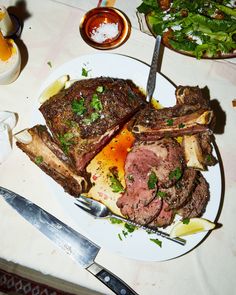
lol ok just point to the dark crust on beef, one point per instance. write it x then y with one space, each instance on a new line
190 115
150 115
191 96
164 218
196 204
178 194
206 146
54 162
154 124
120 100
187 95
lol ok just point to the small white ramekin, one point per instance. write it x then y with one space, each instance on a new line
11 74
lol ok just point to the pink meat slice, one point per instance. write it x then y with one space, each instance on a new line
164 218
139 202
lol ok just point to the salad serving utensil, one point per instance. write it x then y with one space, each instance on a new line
151 83
99 210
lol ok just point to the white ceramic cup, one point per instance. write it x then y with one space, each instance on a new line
13 69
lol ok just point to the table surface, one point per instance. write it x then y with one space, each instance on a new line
51 33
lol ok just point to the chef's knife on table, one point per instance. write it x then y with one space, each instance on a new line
78 247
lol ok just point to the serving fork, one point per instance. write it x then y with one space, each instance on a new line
99 210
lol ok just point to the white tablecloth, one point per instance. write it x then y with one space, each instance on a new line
51 33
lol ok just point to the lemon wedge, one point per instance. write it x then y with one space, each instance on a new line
69 83
195 225
53 88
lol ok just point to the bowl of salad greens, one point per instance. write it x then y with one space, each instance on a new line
202 29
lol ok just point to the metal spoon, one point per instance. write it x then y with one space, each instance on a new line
151 83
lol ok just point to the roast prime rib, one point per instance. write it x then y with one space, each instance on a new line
83 118
163 167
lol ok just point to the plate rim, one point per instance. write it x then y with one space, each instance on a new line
84 58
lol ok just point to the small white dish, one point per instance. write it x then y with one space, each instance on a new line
10 69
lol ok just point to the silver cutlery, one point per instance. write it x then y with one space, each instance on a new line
99 210
151 83
77 246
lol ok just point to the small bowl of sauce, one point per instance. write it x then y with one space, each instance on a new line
105 28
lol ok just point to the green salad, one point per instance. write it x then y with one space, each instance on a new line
199 28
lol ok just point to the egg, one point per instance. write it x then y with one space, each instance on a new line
10 60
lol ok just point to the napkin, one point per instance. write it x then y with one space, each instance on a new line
7 123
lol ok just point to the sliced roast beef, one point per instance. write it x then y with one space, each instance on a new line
178 194
164 218
44 152
84 117
170 163
134 203
147 166
196 204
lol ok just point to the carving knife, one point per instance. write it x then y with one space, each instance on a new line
78 247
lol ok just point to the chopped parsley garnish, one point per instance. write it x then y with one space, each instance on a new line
161 194
119 236
130 227
156 241
91 119
181 125
115 184
78 106
175 174
149 232
152 180
186 220
71 123
96 103
84 72
100 89
66 141
38 160
125 233
169 122
50 64
208 158
130 177
115 220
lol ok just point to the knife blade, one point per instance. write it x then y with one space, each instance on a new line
77 246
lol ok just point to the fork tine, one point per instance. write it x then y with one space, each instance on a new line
83 207
82 199
87 201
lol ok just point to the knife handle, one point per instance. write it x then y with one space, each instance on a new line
114 283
